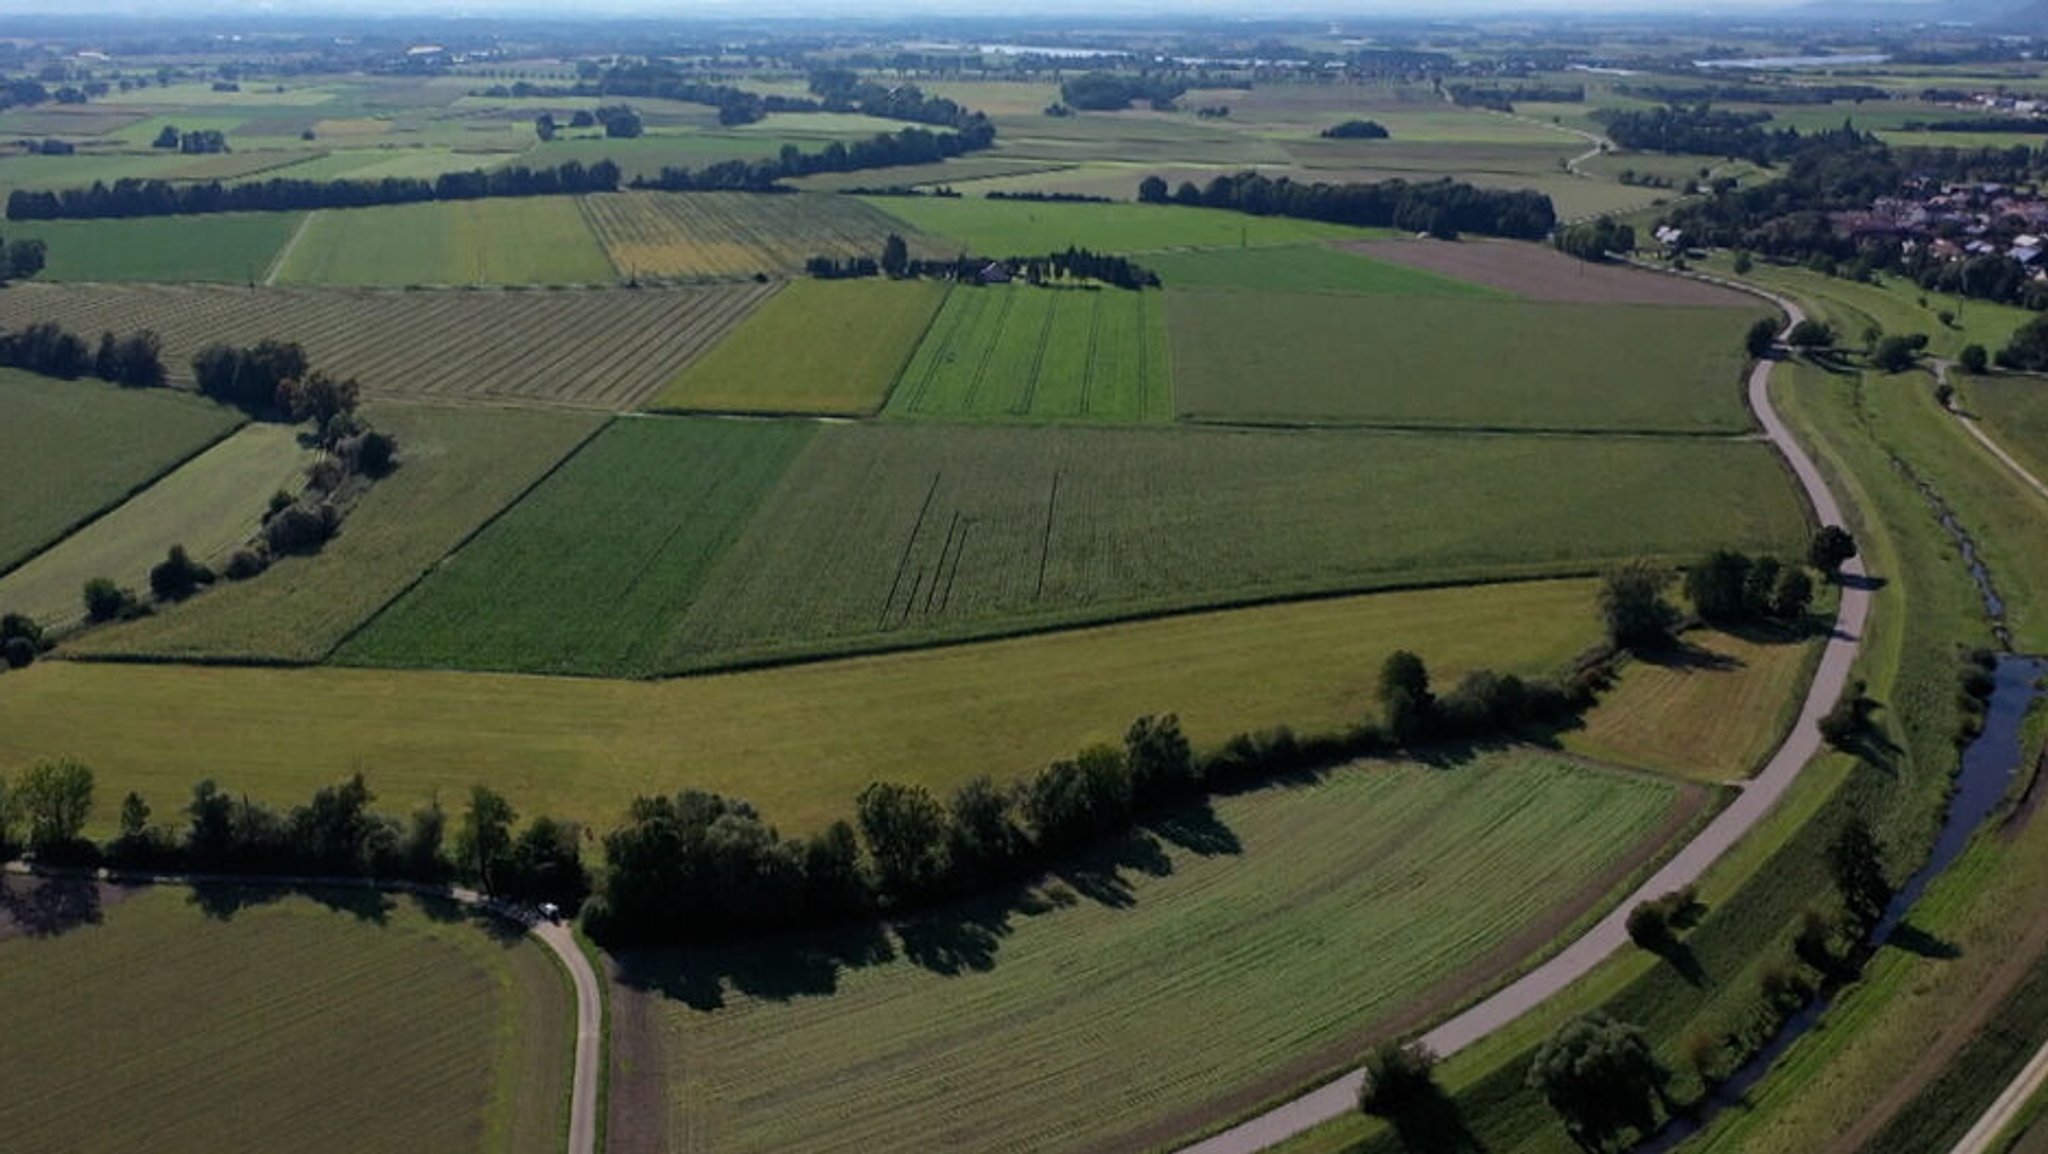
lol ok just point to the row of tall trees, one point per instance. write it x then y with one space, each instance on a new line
131 197
886 150
1440 207
1593 240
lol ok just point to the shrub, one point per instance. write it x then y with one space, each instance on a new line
244 564
1810 334
178 576
1398 1079
300 529
18 652
104 600
1974 359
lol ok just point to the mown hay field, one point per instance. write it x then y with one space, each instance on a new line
212 505
180 1020
229 248
726 235
517 240
1223 957
1431 361
69 449
1027 228
899 534
1310 268
589 349
457 468
799 741
1029 353
832 347
588 574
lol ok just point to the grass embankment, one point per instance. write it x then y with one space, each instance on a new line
1441 361
800 742
578 576
213 504
70 449
830 347
1891 303
458 467
1757 895
1136 994
521 240
1026 353
223 1019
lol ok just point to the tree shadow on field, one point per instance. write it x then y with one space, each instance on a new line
48 907
776 969
1684 656
222 900
1919 942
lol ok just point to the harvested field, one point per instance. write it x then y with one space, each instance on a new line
1153 989
726 235
519 240
591 572
211 504
69 449
178 1020
1417 361
1027 353
818 347
798 741
594 349
457 467
898 534
1539 272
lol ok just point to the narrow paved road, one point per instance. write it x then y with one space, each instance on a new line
2006 1107
558 938
1971 426
1610 934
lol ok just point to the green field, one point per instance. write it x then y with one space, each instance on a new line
1421 361
898 534
212 505
1302 269
1032 353
799 741
1892 306
1024 228
523 240
2014 411
69 449
457 468
726 235
589 573
352 1022
1134 999
815 347
231 248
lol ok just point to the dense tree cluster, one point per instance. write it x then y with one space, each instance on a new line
22 259
1602 1078
198 142
1705 93
2026 349
1504 97
1700 129
1440 207
1593 240
1111 91
660 80
845 91
2018 126
1355 130
1069 264
887 150
1728 588
131 197
1048 197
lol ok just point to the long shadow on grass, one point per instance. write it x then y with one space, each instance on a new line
222 900
958 938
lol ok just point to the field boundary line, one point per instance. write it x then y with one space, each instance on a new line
910 353
597 235
1757 798
284 253
558 940
141 487
516 499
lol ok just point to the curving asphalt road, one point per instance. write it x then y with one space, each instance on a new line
1610 934
556 937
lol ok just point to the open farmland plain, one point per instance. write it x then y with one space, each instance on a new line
71 449
586 349
524 240
1435 361
580 575
832 347
181 1020
1302 269
231 248
582 748
898 534
211 504
1020 351
725 235
1287 916
457 468
1001 228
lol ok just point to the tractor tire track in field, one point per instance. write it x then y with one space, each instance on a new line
558 939
1052 504
1030 393
988 352
909 549
1088 363
1609 935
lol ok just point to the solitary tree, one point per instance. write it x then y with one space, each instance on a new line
1810 334
1399 1077
1974 359
1601 1078
54 798
134 816
1793 595
895 257
1831 546
1633 608
1761 337
1406 703
1856 864
105 600
485 835
1152 190
1718 586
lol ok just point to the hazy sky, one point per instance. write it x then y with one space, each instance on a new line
726 8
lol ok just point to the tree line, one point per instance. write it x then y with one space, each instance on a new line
1072 263
1593 240
837 90
1111 91
135 360
1704 130
1442 208
1503 97
1355 130
885 150
131 197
